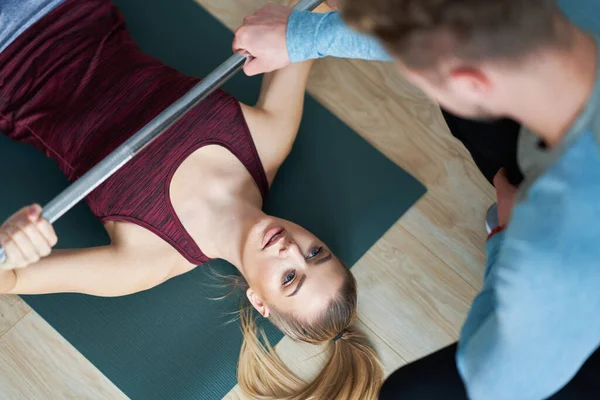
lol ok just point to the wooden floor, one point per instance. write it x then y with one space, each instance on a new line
416 283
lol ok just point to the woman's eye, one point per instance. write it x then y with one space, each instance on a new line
289 278
315 252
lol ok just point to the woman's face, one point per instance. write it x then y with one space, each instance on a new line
289 268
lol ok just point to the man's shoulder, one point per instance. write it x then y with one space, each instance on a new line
583 13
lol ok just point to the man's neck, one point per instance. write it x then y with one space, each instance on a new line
564 80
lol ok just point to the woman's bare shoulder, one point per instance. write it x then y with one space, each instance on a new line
132 239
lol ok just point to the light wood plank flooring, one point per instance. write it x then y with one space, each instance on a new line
416 283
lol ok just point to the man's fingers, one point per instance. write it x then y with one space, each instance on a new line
242 42
267 9
502 183
238 39
500 177
250 19
254 67
333 4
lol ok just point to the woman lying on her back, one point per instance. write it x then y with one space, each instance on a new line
75 85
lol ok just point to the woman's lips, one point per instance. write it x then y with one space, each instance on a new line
272 236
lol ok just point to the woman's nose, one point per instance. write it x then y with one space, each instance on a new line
286 245
291 250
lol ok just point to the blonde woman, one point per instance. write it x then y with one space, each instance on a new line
75 85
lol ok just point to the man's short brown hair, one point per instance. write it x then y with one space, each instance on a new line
423 32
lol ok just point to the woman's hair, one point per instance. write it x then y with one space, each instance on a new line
352 371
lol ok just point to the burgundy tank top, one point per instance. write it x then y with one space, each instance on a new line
76 86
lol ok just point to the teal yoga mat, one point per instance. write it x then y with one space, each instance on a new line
173 342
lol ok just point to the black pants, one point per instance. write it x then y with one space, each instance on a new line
435 377
493 145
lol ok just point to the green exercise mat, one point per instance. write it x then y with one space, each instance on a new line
174 341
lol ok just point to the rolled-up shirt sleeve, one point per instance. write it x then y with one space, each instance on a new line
313 35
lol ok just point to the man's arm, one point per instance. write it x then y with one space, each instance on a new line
276 36
530 329
534 323
311 36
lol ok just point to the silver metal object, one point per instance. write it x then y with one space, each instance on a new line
111 164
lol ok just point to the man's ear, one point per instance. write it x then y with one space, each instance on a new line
257 303
470 83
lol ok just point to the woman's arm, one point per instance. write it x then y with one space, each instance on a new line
100 271
275 118
136 260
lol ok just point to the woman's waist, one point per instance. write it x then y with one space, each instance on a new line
71 56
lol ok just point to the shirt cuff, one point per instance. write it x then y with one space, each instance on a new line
301 31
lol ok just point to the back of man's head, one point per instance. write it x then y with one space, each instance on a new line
422 33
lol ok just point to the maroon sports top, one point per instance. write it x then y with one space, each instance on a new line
76 86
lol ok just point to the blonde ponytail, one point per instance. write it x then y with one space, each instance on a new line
351 372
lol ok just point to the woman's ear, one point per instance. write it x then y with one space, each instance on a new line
257 303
